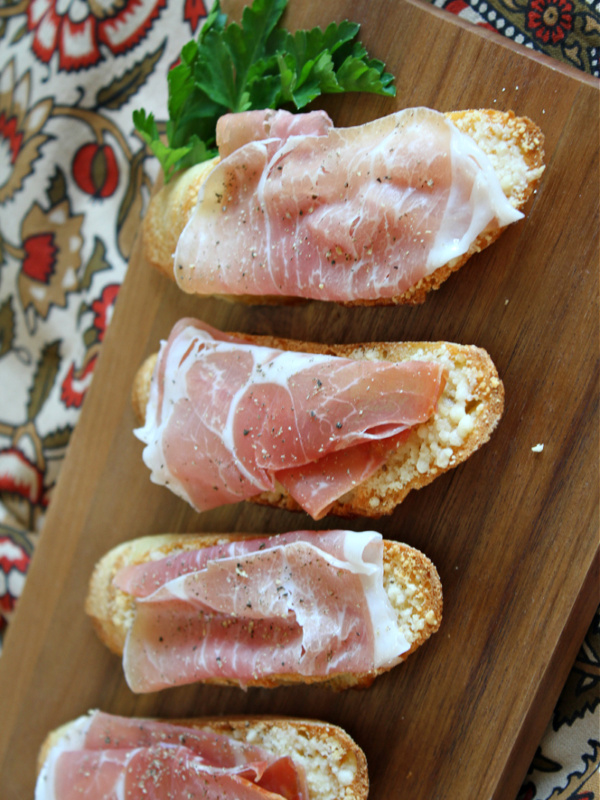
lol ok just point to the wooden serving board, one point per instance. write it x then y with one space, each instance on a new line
514 533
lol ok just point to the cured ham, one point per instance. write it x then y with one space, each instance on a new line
227 420
342 214
304 603
236 130
106 757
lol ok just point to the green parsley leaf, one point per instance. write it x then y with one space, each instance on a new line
252 65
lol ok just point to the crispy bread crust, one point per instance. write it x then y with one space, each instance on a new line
168 213
515 146
408 467
332 740
405 569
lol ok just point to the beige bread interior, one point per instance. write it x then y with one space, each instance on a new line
335 766
468 411
410 579
515 146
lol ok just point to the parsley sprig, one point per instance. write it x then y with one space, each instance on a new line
257 64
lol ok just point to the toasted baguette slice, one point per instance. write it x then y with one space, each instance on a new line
468 411
335 766
515 146
410 579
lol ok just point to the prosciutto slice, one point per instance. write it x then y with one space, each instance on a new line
106 757
304 603
341 214
227 420
236 130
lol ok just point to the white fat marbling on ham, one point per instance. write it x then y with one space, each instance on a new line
106 757
306 603
338 214
227 419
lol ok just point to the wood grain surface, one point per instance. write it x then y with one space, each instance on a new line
513 533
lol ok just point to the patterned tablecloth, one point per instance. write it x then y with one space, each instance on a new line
71 172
